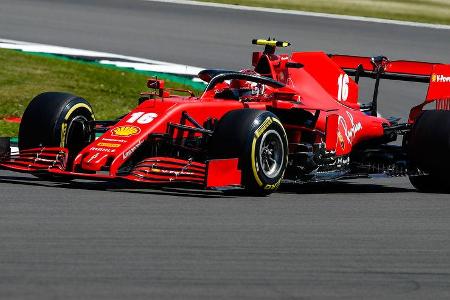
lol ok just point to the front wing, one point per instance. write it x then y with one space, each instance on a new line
216 173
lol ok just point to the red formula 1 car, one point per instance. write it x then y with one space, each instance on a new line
293 117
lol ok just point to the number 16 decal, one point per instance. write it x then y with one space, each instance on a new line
343 87
142 118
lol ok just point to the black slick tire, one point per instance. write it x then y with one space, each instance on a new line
56 119
429 151
258 139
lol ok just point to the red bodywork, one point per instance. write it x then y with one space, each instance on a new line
314 82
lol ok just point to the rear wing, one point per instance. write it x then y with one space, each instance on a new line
394 70
435 74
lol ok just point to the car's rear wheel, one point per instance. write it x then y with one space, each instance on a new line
56 119
258 139
429 151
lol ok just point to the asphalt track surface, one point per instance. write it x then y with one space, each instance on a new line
361 239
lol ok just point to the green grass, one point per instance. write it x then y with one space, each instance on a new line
110 90
427 11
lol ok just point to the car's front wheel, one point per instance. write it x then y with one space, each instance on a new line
56 119
258 139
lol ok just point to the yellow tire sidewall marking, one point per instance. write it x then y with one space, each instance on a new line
261 129
264 125
66 118
255 172
276 185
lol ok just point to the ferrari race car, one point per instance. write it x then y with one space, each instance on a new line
293 117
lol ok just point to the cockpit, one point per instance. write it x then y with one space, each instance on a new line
224 84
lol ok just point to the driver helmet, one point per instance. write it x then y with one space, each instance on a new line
243 88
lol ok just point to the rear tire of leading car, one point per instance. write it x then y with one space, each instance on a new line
258 139
429 151
56 119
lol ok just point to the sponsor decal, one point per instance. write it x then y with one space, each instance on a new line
351 132
127 153
98 149
341 140
263 126
342 161
113 140
125 131
439 78
92 157
96 156
109 145
271 187
172 172
433 77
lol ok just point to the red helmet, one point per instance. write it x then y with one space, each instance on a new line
240 84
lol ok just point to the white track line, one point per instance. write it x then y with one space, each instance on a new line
137 63
120 61
302 13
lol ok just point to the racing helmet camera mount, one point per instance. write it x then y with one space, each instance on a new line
157 85
270 45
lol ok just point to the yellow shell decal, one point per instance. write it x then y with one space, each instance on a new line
125 131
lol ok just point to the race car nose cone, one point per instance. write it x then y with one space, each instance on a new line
94 161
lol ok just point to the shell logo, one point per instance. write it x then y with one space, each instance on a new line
433 78
125 131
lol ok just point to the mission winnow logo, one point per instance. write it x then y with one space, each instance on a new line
440 78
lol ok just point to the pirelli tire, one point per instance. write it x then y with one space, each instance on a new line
259 140
56 119
429 151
